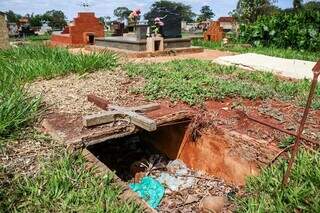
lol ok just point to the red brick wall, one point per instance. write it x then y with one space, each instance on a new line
85 23
60 39
214 32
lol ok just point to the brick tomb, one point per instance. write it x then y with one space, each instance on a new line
82 31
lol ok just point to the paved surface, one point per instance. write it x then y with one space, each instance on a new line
290 68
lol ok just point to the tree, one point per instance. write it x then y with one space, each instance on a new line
297 4
250 10
185 11
35 20
122 13
56 19
206 13
13 17
312 6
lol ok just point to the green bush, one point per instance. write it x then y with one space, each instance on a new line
293 29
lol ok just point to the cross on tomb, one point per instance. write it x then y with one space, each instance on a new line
85 5
114 113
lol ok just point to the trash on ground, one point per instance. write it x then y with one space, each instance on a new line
149 190
176 178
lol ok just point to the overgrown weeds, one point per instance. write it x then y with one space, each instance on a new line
194 81
271 51
31 62
264 193
63 185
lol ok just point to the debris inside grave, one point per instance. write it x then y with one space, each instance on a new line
149 190
184 189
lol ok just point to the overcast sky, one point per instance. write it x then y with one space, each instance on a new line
106 7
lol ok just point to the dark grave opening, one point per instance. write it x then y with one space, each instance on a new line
91 39
157 45
209 37
161 148
120 154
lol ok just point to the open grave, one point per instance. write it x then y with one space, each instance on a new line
185 151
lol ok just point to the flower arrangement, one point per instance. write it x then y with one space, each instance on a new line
157 25
135 15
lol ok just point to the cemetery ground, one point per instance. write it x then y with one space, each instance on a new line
39 175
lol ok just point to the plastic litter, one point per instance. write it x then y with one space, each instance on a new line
175 180
149 190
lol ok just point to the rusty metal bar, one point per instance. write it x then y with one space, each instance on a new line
294 150
273 126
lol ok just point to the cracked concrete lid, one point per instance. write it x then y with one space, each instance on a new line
290 68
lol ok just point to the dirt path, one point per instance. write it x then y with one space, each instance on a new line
206 55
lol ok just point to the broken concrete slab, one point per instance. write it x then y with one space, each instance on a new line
289 68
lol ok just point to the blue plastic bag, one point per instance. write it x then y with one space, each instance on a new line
149 190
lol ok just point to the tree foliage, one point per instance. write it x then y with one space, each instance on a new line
13 17
122 12
249 10
206 13
312 6
184 10
35 20
56 19
297 4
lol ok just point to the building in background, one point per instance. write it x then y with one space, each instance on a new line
4 35
228 24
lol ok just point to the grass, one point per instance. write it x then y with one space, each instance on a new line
28 63
264 193
194 81
271 51
37 38
63 185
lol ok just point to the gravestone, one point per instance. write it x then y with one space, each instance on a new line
141 31
172 22
118 28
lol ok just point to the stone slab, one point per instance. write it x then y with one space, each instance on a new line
289 68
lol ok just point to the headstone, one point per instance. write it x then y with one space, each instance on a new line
141 31
172 22
118 28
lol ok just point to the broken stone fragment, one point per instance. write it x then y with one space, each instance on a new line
212 204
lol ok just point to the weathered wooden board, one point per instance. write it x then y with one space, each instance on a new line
111 116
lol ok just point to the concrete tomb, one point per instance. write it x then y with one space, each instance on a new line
140 39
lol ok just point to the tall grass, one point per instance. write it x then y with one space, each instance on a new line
264 193
28 63
271 51
64 184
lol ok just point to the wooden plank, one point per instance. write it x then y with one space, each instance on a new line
141 109
101 118
110 116
142 121
98 101
145 108
316 67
